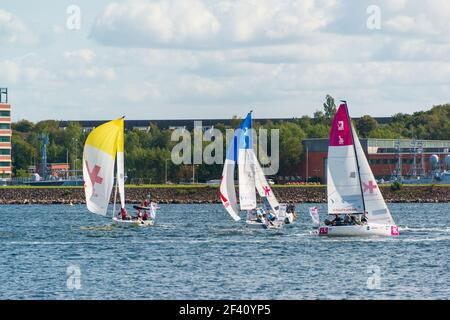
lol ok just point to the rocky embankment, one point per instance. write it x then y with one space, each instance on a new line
297 194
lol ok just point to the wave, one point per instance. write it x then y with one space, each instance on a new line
424 229
108 227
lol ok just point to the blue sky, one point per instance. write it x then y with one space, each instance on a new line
161 59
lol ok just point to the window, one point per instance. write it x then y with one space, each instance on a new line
5 139
5 152
5 113
5 164
5 126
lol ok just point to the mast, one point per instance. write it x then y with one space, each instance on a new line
115 200
356 156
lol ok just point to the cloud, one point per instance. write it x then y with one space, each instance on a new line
154 23
14 31
194 23
85 55
90 73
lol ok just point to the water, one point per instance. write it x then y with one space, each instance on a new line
198 252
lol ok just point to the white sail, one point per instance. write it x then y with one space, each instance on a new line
263 187
314 213
121 168
343 186
376 208
246 165
227 190
246 169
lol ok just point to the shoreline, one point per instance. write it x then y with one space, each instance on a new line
201 194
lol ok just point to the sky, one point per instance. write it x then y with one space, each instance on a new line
194 59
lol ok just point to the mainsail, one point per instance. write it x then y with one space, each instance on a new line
246 166
102 146
343 180
121 164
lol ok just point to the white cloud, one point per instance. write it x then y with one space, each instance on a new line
10 72
193 23
14 31
151 23
90 73
85 55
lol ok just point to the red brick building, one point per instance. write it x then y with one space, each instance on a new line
5 135
383 156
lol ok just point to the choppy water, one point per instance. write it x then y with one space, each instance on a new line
198 252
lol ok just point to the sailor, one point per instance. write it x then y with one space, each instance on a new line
123 214
347 220
271 217
364 218
146 202
138 214
337 220
259 217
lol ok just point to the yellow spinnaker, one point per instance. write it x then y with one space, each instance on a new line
108 137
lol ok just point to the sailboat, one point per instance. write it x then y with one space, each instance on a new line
103 149
351 187
251 179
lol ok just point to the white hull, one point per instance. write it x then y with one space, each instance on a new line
133 223
358 230
261 225
290 218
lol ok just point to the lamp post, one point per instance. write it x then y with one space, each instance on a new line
307 164
74 142
166 171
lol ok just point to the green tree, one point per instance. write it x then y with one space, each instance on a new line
365 125
23 126
329 107
22 152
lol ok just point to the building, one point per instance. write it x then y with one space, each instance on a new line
187 124
54 170
5 135
387 157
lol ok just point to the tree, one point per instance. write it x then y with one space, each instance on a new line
22 152
23 126
329 107
291 148
365 125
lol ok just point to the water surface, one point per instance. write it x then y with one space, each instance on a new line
198 252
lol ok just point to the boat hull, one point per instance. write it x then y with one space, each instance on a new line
133 223
290 218
358 231
261 225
